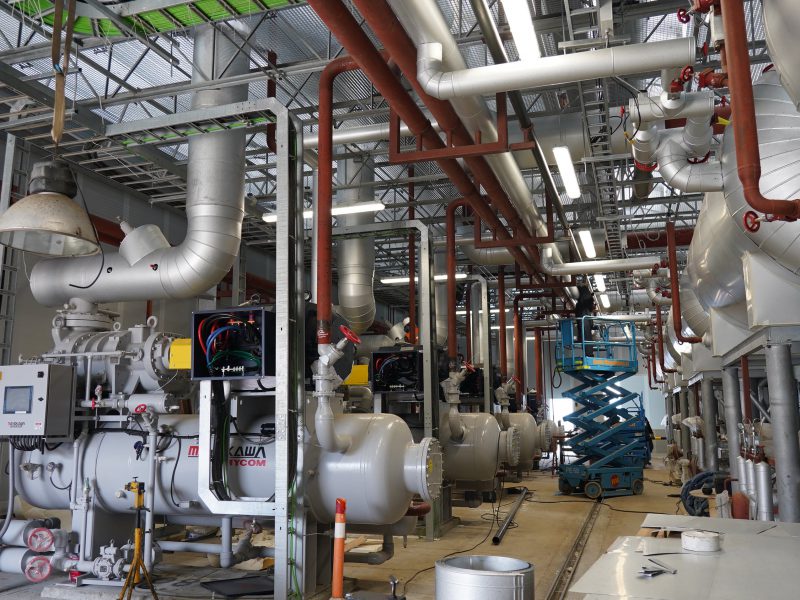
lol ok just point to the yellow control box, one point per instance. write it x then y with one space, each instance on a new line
358 376
180 354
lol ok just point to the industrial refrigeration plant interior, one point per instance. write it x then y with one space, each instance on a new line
399 299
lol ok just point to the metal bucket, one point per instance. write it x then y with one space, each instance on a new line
484 577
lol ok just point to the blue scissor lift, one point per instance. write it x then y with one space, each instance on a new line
610 441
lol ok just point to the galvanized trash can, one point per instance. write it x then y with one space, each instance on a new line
484 578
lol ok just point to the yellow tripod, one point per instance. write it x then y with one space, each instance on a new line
137 564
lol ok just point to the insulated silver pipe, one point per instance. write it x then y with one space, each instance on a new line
551 70
214 207
686 440
783 407
731 398
766 509
599 266
710 421
355 257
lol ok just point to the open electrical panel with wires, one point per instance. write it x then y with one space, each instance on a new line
397 370
236 343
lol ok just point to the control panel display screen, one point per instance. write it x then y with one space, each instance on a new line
18 400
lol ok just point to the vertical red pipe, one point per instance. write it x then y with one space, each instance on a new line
747 408
677 320
501 304
325 194
519 356
539 364
452 350
149 309
748 158
468 324
412 263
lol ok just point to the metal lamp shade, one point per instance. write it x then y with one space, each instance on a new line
48 223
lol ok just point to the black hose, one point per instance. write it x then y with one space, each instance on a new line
696 507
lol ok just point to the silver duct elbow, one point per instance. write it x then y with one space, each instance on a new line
355 257
655 296
214 210
482 256
678 172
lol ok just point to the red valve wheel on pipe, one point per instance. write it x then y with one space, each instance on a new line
349 334
751 221
684 16
468 366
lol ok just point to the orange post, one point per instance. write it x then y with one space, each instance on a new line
337 583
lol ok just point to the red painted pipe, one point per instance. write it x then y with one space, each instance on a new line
748 157
342 24
468 325
683 237
452 351
501 321
677 320
325 194
747 409
659 328
383 22
412 264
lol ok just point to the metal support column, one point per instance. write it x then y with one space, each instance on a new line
669 401
731 397
710 421
783 404
686 440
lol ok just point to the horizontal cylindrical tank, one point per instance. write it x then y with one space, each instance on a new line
482 577
475 457
379 473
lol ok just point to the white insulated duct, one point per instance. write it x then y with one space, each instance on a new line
720 238
598 266
424 23
214 209
781 23
551 70
355 257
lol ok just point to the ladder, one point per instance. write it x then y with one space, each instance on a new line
590 27
610 440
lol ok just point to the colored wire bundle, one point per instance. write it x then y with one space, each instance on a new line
228 341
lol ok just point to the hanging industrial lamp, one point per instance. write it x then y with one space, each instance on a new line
48 220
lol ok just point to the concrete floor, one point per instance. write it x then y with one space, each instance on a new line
547 528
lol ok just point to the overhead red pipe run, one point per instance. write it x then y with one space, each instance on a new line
683 237
383 22
677 321
748 157
342 24
660 335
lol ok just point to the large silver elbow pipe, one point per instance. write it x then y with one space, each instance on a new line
678 172
214 209
655 295
552 70
355 257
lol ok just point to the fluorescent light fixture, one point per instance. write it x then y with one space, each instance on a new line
600 282
400 280
605 301
587 242
492 311
497 327
336 211
567 171
519 19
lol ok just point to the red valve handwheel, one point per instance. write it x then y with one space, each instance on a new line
349 334
684 16
687 73
517 380
140 408
469 367
751 221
